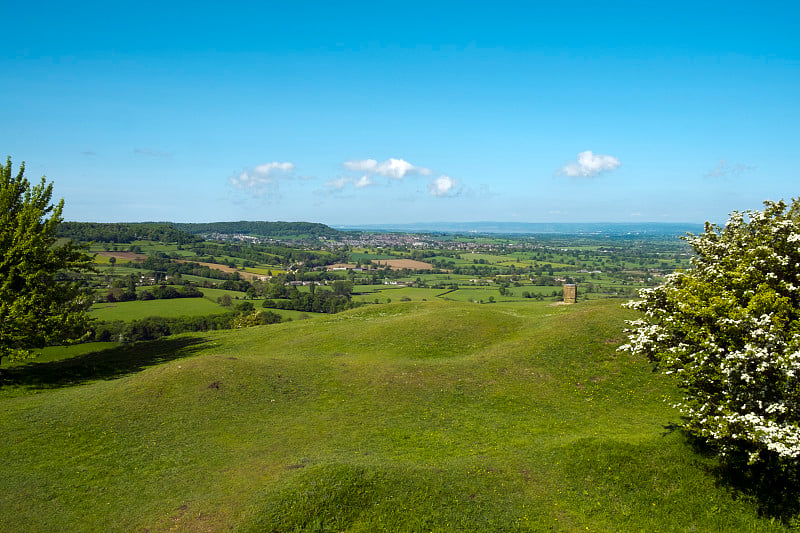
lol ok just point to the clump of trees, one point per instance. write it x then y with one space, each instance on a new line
42 299
159 292
317 301
729 329
151 328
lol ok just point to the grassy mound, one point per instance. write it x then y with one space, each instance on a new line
431 416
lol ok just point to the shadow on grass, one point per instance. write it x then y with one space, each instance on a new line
105 364
773 485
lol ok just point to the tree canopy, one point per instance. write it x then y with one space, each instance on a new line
729 329
40 301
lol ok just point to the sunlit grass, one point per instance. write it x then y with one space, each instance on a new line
416 416
164 308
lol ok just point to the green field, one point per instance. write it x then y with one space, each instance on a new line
420 416
164 308
384 292
214 294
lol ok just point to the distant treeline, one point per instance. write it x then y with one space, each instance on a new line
152 328
159 292
185 233
278 230
125 232
155 327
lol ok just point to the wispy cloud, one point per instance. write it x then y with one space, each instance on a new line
343 181
443 186
728 170
338 183
263 179
391 168
363 181
590 164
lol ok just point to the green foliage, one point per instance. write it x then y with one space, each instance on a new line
40 302
286 230
155 327
124 232
318 301
257 317
729 328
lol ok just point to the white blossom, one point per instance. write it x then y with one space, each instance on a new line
729 330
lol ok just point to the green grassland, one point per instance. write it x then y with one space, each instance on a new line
384 292
214 294
135 310
419 416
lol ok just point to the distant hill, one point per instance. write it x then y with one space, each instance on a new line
283 230
534 228
126 232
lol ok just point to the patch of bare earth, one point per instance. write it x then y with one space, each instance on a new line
341 266
399 264
225 268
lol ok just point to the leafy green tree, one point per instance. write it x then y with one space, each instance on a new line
729 329
343 288
40 301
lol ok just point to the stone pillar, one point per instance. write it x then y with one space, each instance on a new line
570 293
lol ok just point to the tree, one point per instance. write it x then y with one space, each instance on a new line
41 302
729 329
343 288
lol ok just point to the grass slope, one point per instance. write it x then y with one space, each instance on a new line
430 416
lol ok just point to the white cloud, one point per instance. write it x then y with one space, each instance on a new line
363 181
343 181
590 164
391 168
262 179
443 186
268 168
364 165
725 169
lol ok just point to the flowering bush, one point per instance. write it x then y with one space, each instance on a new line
729 329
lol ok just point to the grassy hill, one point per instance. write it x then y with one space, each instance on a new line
429 416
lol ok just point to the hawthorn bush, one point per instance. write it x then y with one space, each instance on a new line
729 329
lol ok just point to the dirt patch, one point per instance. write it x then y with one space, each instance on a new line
339 266
226 269
399 264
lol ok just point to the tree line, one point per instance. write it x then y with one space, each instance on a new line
124 232
286 230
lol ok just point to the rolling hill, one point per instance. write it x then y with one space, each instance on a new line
425 416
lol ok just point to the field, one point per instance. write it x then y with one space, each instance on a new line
417 416
399 264
164 308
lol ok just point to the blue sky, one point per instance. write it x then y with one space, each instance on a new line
391 112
